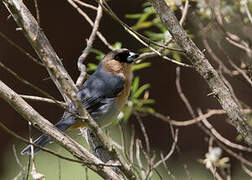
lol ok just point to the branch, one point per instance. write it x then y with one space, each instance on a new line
81 66
222 139
58 73
205 69
245 4
23 51
86 5
184 13
170 152
42 99
41 45
46 127
141 38
99 34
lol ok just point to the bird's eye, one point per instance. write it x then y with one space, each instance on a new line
126 56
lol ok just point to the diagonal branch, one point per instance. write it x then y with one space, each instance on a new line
59 75
46 127
205 69
41 45
81 66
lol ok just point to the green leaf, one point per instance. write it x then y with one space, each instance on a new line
127 113
155 36
149 9
145 109
116 121
143 17
176 56
144 101
135 84
141 66
133 16
223 161
141 90
91 67
146 4
143 25
117 45
100 55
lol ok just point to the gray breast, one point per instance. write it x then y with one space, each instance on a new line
106 113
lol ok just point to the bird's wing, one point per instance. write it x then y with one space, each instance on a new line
101 85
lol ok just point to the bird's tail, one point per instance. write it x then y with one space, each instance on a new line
43 140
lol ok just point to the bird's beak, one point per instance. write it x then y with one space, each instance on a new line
132 56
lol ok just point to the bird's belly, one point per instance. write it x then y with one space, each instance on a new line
105 114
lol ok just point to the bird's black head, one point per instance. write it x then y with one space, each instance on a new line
124 55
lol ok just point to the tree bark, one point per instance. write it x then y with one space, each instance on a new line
28 113
59 75
205 69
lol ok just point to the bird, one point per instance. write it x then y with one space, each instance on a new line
103 94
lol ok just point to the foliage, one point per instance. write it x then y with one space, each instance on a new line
148 22
138 101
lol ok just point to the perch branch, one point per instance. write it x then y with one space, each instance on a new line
205 69
40 43
46 127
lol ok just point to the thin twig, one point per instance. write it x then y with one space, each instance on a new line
224 140
215 173
184 12
123 141
34 173
42 99
19 48
86 173
32 149
239 45
222 66
234 154
46 127
195 120
205 70
170 152
217 10
222 146
81 66
37 11
187 172
82 13
131 148
28 167
12 133
181 94
66 86
31 85
140 37
146 138
86 5
135 34
243 73
138 157
166 168
22 168
152 54
17 176
246 170
247 10
59 169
